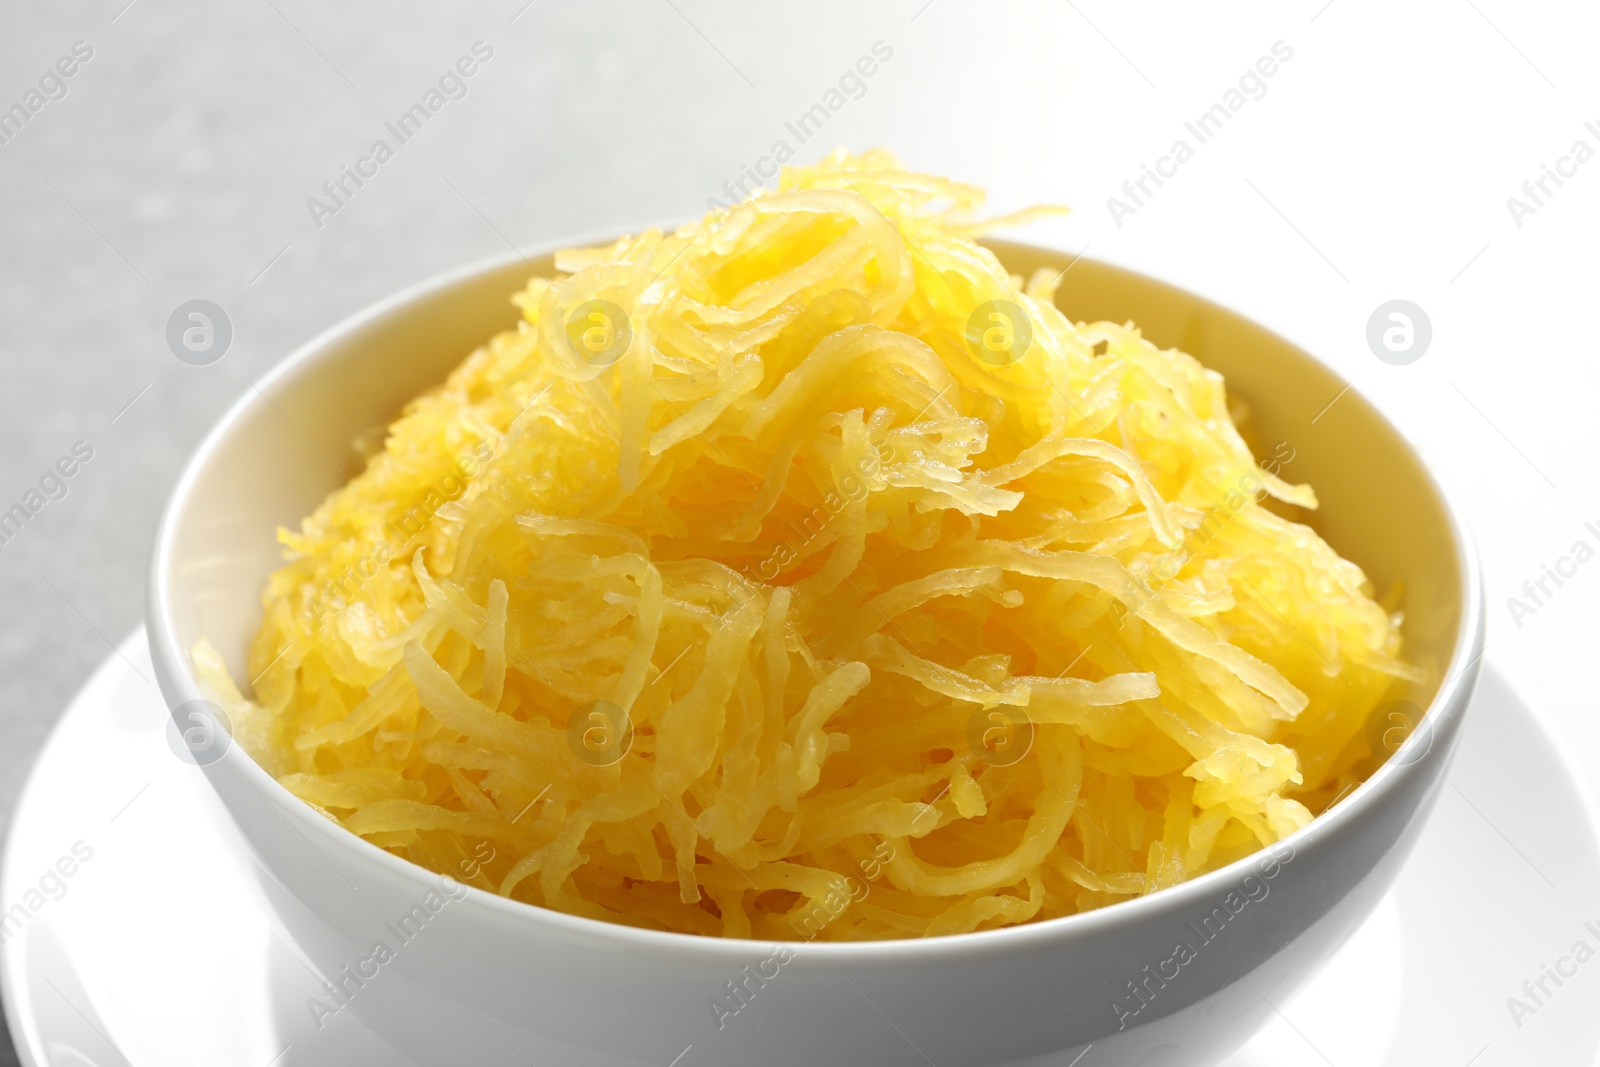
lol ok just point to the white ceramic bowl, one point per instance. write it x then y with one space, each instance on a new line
491 980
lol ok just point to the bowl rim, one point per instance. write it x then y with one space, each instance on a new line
1448 704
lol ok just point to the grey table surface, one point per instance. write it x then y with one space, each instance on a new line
177 162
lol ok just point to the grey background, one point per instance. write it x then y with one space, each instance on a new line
1376 168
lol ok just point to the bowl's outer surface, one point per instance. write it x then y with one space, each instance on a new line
490 980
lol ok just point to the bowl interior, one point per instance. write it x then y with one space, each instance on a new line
289 442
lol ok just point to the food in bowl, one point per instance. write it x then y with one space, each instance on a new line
801 574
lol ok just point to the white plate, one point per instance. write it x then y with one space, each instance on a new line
159 949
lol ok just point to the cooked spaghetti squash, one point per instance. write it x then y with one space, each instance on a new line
802 574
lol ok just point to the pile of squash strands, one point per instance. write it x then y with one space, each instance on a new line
866 634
